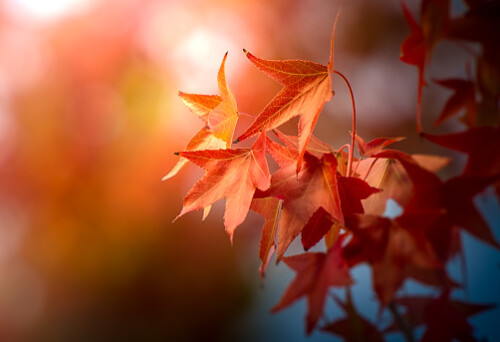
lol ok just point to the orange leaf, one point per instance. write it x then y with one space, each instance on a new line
203 140
233 174
307 87
269 208
219 113
222 119
303 194
390 177
200 105
315 146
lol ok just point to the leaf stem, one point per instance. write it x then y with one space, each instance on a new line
353 133
247 115
407 331
419 101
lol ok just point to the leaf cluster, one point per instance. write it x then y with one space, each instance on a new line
320 193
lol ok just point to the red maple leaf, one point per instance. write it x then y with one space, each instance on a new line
464 97
417 47
445 318
353 327
318 225
452 198
374 146
394 252
316 272
302 193
315 199
482 161
307 87
233 174
413 47
352 191
386 173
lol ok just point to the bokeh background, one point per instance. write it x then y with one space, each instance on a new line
89 121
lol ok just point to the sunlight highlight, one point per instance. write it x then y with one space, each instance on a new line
47 9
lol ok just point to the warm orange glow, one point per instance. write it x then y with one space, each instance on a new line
89 120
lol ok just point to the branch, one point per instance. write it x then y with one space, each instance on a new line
407 331
353 134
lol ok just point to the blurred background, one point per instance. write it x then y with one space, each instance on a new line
89 121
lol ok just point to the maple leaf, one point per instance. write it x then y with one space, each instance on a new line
464 97
318 225
417 312
374 146
394 252
200 105
445 318
352 191
482 161
385 172
233 174
315 146
219 113
433 225
283 155
303 193
431 162
307 87
353 327
388 175
222 119
413 47
269 208
203 140
316 272
417 47
454 197
324 184
413 52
